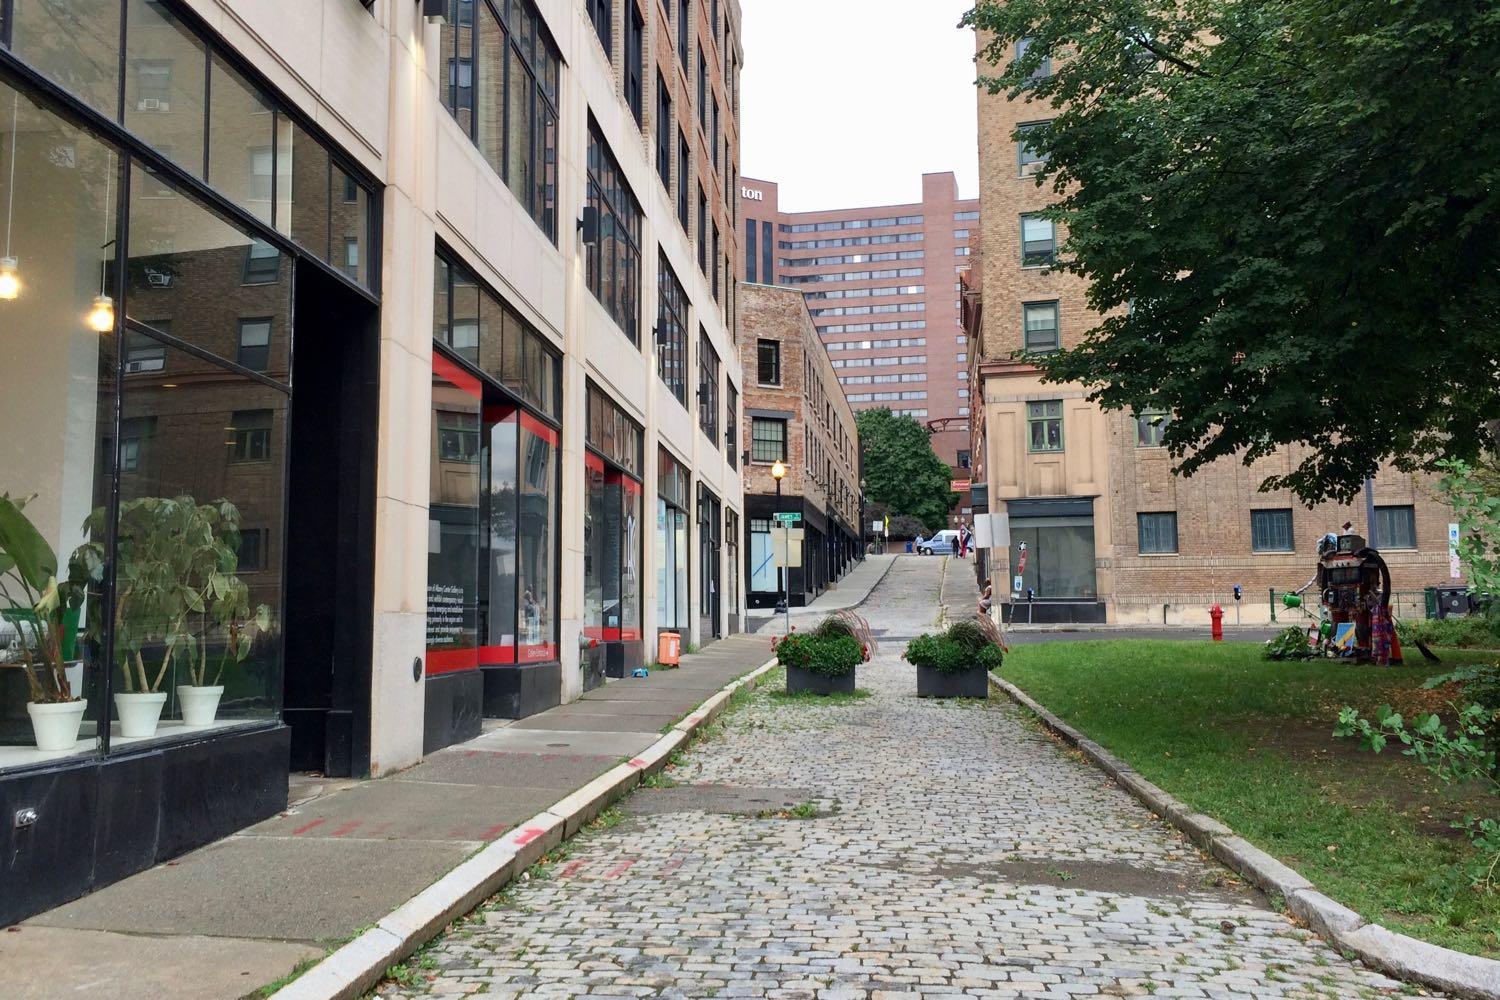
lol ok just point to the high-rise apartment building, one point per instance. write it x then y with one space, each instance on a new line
1110 532
882 285
423 324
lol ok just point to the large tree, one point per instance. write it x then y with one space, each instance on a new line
901 470
1288 212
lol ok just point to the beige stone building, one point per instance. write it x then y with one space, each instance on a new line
1110 533
427 308
795 413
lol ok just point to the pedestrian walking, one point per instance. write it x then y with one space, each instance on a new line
954 541
963 541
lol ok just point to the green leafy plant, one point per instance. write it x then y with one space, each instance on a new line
1476 632
28 581
850 624
832 656
955 651
1459 755
175 586
1289 644
1477 507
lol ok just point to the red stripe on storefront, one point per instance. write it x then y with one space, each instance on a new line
536 654
538 428
460 378
447 661
497 654
592 461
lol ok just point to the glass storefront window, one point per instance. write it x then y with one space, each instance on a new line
202 488
75 44
453 521
536 558
165 84
59 401
179 95
671 542
612 532
519 462
243 137
186 276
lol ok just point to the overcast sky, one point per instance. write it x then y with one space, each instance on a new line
848 102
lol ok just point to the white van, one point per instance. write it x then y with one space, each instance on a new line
944 543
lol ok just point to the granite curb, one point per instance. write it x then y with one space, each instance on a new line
359 965
1395 954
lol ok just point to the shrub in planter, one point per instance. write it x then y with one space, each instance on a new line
820 664
955 663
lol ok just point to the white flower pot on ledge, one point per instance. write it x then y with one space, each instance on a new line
139 713
56 724
199 704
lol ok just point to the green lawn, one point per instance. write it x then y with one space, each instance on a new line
1249 742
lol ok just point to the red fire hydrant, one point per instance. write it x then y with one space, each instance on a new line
1217 614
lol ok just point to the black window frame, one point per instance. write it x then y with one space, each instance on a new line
684 180
664 130
671 330
601 16
635 61
684 30
731 424
1261 520
539 54
620 217
757 452
761 360
1159 525
709 368
1381 531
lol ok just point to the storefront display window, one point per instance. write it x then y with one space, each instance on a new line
671 543
612 534
453 521
513 450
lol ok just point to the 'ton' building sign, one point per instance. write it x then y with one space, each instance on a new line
751 194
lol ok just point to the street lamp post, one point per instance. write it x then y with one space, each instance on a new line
778 472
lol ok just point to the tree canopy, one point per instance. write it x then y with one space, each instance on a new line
1288 212
901 470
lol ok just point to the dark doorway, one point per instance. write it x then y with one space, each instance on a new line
709 540
330 537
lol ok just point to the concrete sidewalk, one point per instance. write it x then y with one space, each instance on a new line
850 592
224 920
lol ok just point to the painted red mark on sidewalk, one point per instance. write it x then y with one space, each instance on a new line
674 864
303 829
495 831
637 762
620 869
346 829
526 836
571 870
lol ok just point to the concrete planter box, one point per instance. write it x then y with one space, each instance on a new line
972 683
799 681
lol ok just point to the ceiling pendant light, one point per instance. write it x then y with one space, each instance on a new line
10 279
102 315
10 268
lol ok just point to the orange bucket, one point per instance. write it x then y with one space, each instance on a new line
669 648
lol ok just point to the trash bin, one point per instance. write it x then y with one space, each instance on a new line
908 548
669 648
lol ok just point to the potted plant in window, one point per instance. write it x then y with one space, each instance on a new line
956 663
29 583
227 600
174 569
824 660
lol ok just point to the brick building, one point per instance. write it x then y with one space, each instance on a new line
795 414
881 284
1111 533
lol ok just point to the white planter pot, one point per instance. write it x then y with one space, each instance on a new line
199 704
139 713
56 723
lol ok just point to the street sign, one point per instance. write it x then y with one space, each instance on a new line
1017 585
792 518
786 547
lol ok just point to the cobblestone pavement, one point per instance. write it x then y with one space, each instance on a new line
934 850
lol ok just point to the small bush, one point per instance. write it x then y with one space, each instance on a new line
949 655
1289 644
1478 632
847 623
833 656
